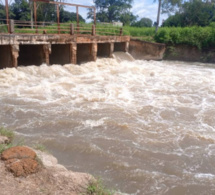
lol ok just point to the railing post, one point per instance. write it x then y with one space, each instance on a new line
72 30
35 16
58 19
11 28
77 16
7 15
120 33
93 30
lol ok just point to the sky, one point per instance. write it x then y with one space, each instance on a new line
142 8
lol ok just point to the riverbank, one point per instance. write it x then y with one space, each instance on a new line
143 50
51 178
25 170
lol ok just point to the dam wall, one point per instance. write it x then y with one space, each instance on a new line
143 50
24 50
189 53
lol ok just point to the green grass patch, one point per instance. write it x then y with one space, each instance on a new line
3 28
40 147
4 147
97 188
7 133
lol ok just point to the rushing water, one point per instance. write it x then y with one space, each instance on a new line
145 127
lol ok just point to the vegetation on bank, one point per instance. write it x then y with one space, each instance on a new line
7 133
10 135
201 37
97 188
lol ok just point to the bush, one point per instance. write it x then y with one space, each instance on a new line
201 37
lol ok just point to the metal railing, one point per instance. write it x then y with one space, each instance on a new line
30 27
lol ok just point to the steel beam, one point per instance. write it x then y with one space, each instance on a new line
62 3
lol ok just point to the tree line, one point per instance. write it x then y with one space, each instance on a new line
23 10
181 12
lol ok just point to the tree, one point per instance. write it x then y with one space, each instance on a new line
193 13
46 12
167 6
2 11
113 10
127 18
66 16
143 22
21 10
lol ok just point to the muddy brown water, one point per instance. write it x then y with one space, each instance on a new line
144 127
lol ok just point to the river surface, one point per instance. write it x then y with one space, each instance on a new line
144 127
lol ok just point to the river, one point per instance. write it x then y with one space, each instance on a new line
144 127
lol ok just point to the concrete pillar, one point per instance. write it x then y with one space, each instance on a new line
127 46
73 53
111 49
46 52
15 55
94 49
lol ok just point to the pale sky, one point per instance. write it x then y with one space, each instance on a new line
142 8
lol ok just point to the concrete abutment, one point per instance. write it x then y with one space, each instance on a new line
8 56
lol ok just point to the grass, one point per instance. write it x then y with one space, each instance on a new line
3 28
97 188
7 133
10 134
40 147
4 147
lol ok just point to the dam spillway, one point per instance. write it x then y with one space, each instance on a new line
22 49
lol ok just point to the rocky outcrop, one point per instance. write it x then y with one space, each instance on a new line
20 160
51 178
142 50
4 140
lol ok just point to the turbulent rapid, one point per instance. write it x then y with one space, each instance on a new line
144 127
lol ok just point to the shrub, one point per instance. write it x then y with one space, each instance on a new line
201 37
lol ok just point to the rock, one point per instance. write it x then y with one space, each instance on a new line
21 161
52 178
23 167
4 140
18 152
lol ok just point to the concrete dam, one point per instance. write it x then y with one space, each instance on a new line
22 49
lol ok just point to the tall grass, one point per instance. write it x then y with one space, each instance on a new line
201 37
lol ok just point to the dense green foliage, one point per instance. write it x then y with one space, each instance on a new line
2 11
113 10
20 10
23 10
200 37
143 22
66 16
191 13
138 32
